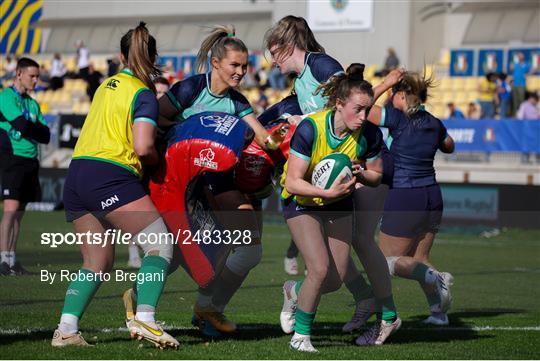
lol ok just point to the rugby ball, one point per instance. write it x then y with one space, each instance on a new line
329 169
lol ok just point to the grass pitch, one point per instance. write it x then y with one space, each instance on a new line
496 312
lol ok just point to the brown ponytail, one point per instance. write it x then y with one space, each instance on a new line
291 30
220 39
139 49
342 84
415 87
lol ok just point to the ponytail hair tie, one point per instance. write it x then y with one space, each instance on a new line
231 35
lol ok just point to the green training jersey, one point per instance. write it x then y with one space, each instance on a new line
13 105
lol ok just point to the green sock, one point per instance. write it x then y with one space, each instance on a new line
419 272
150 282
304 321
80 292
387 309
359 288
297 287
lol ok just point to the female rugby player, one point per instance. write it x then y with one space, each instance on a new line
103 189
413 208
293 48
214 91
321 221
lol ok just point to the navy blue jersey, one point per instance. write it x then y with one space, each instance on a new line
146 107
281 110
304 135
413 143
193 96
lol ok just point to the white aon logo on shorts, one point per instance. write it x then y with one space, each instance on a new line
109 201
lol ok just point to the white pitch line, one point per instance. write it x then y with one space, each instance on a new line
27 331
527 270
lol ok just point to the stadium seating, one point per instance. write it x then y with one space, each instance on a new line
459 90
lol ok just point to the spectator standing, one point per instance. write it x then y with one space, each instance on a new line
93 79
262 104
250 79
276 79
11 65
519 69
112 66
390 63
505 96
83 59
487 97
58 71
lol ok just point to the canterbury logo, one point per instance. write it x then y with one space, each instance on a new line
112 84
150 329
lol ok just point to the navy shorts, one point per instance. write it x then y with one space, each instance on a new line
412 212
388 167
330 212
20 178
98 187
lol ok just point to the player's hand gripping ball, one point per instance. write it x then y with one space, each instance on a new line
328 170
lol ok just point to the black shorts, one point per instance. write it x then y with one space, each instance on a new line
20 178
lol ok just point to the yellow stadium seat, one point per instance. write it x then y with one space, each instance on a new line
46 63
439 111
458 84
47 95
460 97
44 106
79 84
446 83
463 107
71 64
69 84
38 96
471 83
533 83
472 96
369 71
448 97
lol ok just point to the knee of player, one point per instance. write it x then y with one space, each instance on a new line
99 266
319 271
155 240
244 258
